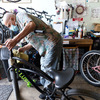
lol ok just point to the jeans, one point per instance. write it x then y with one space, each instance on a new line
51 60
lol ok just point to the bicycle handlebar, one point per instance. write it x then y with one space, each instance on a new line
3 12
22 8
3 46
38 13
48 17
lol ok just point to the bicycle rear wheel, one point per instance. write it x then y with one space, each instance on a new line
81 94
87 64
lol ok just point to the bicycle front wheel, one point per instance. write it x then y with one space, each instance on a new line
81 94
89 67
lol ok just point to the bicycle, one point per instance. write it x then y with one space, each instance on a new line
60 83
39 14
4 31
90 67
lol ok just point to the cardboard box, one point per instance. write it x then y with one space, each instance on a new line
97 27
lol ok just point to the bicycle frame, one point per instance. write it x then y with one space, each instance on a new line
24 70
58 91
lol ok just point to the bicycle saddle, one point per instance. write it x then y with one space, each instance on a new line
63 78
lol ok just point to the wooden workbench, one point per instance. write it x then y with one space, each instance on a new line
77 43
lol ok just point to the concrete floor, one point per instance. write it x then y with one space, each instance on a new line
30 93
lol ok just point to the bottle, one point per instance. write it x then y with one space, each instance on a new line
84 29
66 32
76 32
79 32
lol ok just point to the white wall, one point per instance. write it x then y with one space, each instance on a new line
40 5
49 6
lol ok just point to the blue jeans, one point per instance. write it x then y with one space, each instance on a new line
51 60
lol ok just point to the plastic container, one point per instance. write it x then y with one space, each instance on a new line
66 31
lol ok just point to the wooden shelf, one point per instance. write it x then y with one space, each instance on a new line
78 43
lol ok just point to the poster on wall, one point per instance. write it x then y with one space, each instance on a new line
17 1
92 0
95 13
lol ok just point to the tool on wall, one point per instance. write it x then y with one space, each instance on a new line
71 10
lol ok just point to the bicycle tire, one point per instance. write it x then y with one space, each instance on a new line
84 68
1 35
93 67
81 94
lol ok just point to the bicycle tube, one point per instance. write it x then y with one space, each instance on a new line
15 84
24 78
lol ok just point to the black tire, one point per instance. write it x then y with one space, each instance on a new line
81 94
1 35
85 69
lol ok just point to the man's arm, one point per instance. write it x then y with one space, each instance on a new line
10 43
28 28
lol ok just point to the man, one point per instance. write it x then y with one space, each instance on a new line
48 43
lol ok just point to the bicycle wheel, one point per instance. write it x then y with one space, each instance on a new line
81 94
93 67
87 62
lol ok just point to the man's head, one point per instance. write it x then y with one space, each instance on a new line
9 19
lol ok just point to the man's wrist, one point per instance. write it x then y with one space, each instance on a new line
16 39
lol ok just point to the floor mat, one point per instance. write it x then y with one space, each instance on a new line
5 91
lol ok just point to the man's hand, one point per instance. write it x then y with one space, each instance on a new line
21 49
25 48
10 43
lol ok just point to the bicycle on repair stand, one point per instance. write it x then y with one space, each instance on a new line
59 84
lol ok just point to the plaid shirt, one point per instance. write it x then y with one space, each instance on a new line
42 42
